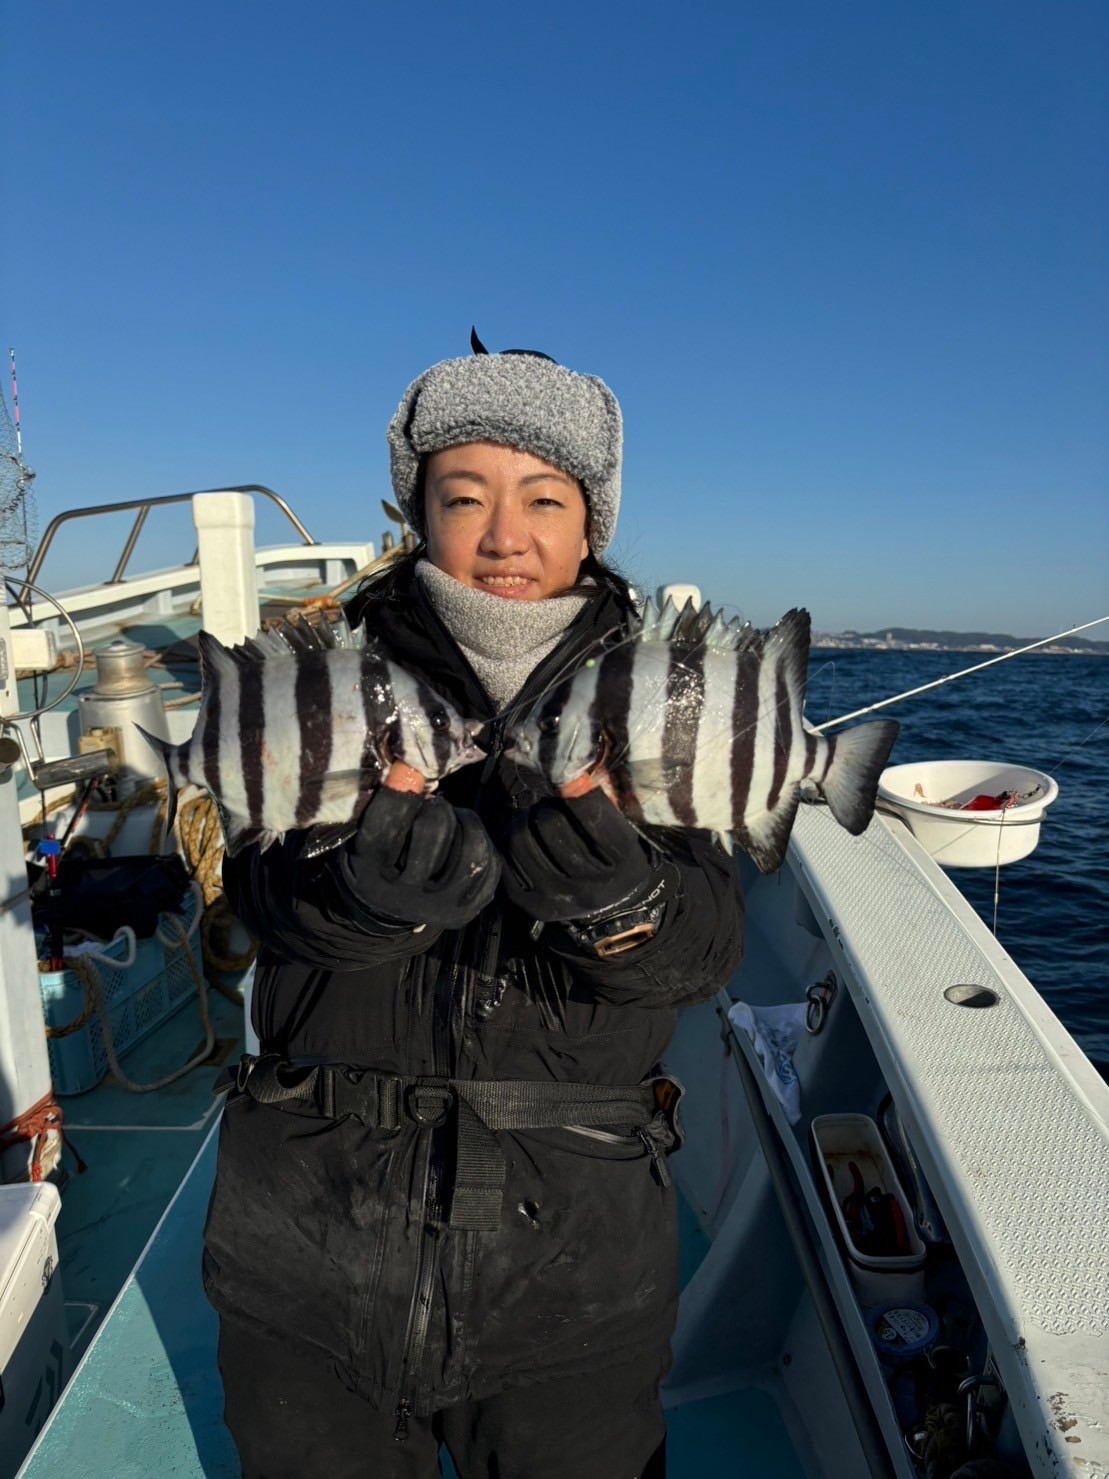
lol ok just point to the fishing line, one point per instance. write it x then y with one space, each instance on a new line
1052 769
962 673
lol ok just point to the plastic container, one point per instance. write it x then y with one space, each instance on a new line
142 982
839 1139
969 839
902 1332
34 1341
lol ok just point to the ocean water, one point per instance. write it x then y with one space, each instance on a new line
1033 710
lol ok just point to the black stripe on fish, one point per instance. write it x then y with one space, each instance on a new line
313 708
379 706
783 736
829 756
745 726
810 751
252 725
608 717
685 693
432 705
209 742
548 723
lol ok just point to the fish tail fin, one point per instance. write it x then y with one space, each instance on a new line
767 839
859 756
175 771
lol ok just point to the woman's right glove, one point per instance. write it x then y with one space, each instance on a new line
417 861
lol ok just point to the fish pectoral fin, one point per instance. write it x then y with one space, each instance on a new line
334 785
650 777
326 837
766 838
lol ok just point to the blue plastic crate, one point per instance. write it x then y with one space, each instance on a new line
137 997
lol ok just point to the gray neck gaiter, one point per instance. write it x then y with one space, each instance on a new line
503 641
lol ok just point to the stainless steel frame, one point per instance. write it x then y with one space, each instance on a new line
144 505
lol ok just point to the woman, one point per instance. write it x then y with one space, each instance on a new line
442 1212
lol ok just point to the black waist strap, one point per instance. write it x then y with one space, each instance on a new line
383 1101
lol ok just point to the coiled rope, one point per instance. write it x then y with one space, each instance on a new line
84 966
199 838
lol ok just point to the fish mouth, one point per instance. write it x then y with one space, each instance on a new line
519 746
469 750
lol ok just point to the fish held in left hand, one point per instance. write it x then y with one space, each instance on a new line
300 725
698 722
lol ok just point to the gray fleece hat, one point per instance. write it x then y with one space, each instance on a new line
524 400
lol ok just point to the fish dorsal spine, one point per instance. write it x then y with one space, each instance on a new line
690 626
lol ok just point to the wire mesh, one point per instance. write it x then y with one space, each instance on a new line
18 522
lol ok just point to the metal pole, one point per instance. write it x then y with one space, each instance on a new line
132 538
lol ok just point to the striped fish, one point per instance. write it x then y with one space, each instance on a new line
698 723
297 728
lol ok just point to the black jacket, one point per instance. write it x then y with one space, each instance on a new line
332 1236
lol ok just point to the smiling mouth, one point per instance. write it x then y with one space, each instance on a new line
503 582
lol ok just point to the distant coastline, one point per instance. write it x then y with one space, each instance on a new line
915 639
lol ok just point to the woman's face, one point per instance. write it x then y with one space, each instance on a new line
504 521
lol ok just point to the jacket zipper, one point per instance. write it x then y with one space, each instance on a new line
419 1308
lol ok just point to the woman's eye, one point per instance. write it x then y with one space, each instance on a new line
440 720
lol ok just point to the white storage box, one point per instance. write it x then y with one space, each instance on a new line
34 1342
839 1139
927 796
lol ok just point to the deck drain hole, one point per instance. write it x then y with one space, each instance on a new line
972 996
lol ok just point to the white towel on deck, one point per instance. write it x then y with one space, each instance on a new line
774 1033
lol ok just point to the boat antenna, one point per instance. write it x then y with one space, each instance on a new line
950 677
15 408
16 505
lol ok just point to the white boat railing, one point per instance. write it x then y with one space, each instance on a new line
143 507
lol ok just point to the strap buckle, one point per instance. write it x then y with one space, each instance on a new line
624 939
429 1105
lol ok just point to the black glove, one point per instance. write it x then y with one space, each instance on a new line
580 860
417 861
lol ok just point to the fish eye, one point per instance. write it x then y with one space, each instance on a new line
440 720
549 724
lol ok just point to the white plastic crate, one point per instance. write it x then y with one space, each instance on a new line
141 981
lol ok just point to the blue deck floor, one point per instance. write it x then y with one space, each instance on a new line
147 1401
138 1148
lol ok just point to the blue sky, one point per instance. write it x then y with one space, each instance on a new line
844 265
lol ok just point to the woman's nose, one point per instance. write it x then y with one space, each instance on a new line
505 533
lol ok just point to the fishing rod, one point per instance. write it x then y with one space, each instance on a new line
950 677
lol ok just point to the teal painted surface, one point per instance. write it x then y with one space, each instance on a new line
147 1400
138 1148
737 1436
692 1242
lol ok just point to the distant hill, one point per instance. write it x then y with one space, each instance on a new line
902 638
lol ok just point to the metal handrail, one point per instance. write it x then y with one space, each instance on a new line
144 505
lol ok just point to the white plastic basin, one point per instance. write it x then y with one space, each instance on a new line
969 839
